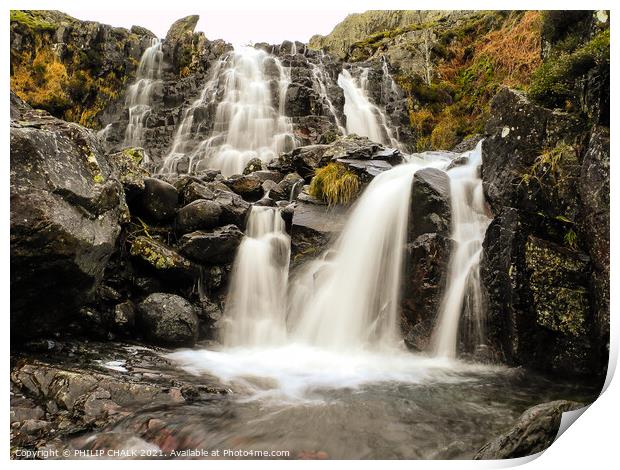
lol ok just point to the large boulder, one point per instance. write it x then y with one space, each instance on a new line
427 255
65 215
247 186
158 201
534 431
234 209
430 210
168 320
199 214
212 247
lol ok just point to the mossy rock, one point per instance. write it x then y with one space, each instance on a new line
559 293
162 258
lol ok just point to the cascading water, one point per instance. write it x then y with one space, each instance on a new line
341 326
463 288
363 117
139 94
255 312
350 300
249 121
320 79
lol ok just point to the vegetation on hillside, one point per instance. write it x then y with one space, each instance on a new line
69 82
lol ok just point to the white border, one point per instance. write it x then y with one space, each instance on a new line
592 443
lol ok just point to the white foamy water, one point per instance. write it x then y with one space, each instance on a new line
363 117
463 288
321 79
294 371
138 100
255 312
249 120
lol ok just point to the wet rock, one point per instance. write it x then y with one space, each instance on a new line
159 200
424 282
247 186
199 214
430 203
517 133
212 247
305 160
268 175
534 431
312 227
256 164
593 222
65 216
288 188
468 144
194 191
234 209
168 320
300 101
127 168
125 316
162 259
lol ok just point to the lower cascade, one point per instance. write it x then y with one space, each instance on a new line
255 307
337 322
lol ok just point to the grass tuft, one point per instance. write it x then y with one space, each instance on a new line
335 184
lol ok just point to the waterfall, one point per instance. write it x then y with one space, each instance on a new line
249 120
139 94
255 306
349 300
363 117
320 79
463 288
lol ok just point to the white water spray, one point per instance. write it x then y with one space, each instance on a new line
249 121
139 94
320 79
463 288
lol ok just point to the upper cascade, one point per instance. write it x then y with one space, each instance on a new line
247 90
363 117
139 94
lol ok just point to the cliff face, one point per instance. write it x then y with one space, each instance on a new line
73 69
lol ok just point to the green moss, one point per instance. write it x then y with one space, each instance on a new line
549 167
32 20
553 82
560 305
151 252
335 184
94 167
136 154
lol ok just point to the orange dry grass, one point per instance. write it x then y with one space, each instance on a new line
515 48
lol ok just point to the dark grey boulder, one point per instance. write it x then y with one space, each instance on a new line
159 200
168 320
234 209
194 191
430 203
212 247
162 260
66 211
199 214
534 431
255 164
